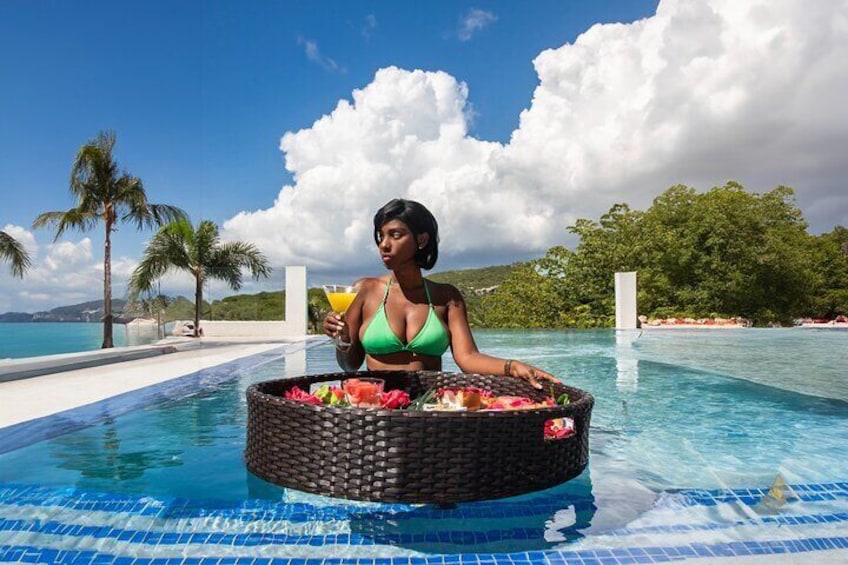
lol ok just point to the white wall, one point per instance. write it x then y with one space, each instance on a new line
295 322
625 301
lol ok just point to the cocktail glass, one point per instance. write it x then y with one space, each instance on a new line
363 392
340 298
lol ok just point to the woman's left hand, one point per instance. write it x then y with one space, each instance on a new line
530 374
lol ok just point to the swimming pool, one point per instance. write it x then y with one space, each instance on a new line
687 438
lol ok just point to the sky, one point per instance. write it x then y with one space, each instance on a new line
289 123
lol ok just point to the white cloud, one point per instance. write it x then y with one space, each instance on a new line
313 53
66 255
369 26
473 21
67 273
700 93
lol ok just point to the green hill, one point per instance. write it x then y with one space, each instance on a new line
474 284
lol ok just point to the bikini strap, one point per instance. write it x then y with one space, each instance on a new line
386 294
427 290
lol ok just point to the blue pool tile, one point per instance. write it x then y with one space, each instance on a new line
687 551
102 559
739 548
721 550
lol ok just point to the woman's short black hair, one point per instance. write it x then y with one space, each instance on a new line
419 219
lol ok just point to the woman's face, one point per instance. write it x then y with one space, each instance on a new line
397 244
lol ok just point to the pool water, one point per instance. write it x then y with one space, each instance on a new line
689 432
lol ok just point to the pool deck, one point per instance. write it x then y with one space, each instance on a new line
39 387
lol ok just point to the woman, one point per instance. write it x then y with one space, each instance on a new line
401 321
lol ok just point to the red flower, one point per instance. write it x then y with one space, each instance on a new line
395 399
299 395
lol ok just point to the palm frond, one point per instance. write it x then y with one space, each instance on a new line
75 218
230 258
12 251
167 250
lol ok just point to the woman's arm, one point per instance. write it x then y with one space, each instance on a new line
471 360
349 352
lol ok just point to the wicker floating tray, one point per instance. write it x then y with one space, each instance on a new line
408 455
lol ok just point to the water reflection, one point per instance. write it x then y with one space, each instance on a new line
97 453
536 521
626 364
542 520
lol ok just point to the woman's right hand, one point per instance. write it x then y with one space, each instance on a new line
334 326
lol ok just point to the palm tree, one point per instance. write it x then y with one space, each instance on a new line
199 251
12 251
104 194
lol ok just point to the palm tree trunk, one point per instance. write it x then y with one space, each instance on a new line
107 288
198 302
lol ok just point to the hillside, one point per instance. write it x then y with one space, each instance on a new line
474 285
91 311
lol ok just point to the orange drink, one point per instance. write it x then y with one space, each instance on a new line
340 301
339 296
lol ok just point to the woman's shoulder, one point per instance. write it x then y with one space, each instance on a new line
370 284
446 291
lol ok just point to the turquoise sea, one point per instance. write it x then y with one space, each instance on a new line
49 338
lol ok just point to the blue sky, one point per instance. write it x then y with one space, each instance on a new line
200 95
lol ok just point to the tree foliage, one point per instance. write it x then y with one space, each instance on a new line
263 306
14 253
724 252
831 259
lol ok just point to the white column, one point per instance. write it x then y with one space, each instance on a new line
296 300
625 301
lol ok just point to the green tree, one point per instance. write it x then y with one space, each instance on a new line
723 252
748 255
103 194
14 253
526 299
831 298
614 243
317 306
531 295
201 253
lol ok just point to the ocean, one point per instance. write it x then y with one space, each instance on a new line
32 339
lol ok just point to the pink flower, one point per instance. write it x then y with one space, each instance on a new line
394 399
299 395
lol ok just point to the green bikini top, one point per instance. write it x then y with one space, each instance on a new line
379 339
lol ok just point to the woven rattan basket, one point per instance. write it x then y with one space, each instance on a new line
408 455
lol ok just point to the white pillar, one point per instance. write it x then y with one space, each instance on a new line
625 301
296 300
